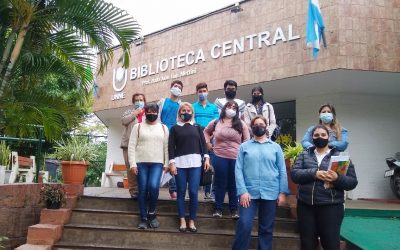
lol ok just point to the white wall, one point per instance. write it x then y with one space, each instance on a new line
114 152
373 124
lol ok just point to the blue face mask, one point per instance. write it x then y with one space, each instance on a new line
326 117
203 96
139 105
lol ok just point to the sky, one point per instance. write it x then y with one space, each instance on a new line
153 15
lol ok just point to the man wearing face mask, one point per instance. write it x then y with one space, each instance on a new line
230 88
129 119
168 110
258 106
205 112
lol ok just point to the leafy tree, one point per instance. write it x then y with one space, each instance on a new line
46 44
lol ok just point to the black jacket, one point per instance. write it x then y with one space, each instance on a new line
311 190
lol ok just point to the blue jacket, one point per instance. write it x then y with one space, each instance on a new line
312 190
333 142
260 170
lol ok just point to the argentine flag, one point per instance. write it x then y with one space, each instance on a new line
315 27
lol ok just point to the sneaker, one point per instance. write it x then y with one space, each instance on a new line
153 221
142 224
173 195
207 196
235 214
217 213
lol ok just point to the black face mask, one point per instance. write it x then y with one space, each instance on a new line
186 117
320 142
259 130
257 98
230 94
151 117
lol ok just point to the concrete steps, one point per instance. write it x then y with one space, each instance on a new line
110 223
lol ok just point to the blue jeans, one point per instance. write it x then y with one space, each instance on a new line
149 184
224 179
188 177
207 188
266 217
172 185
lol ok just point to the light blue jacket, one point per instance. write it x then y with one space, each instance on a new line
333 142
260 170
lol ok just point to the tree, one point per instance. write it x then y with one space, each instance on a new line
42 40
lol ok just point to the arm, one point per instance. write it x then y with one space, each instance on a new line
342 144
171 145
215 113
246 116
347 182
208 131
307 140
271 120
246 132
132 146
300 174
166 135
128 117
160 104
280 162
239 177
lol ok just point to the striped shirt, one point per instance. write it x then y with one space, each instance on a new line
203 115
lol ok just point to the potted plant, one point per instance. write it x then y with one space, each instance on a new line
53 196
75 155
5 156
291 152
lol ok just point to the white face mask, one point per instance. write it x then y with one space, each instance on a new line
230 113
176 91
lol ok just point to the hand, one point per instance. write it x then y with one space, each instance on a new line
331 176
209 146
321 175
206 164
137 111
172 169
134 170
245 200
165 169
281 201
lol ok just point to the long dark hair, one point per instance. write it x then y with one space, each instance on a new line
236 122
258 88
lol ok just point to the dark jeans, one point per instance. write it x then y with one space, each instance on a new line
188 177
207 188
266 217
224 179
149 184
172 185
319 221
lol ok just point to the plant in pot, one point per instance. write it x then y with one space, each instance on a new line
75 155
5 156
52 196
290 153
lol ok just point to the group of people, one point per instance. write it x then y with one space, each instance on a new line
234 138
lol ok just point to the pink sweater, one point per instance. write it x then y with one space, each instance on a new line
226 139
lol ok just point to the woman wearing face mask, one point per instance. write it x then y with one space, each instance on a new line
186 146
129 119
258 106
148 153
228 133
337 134
320 208
261 183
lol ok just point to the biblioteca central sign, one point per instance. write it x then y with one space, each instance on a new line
175 64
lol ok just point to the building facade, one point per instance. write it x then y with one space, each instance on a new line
262 43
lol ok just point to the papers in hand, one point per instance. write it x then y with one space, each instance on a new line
165 177
339 164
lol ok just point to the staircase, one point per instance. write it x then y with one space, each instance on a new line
110 223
